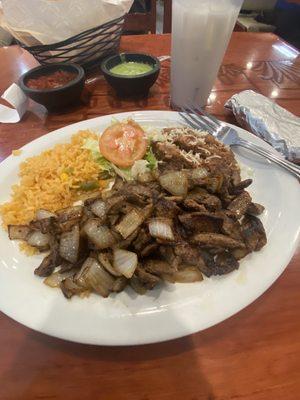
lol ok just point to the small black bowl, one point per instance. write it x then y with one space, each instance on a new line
137 85
57 98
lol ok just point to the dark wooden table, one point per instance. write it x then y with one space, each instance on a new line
254 355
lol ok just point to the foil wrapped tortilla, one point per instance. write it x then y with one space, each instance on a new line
269 121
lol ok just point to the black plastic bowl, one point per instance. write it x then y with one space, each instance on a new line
131 85
57 98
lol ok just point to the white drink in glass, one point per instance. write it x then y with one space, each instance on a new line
201 30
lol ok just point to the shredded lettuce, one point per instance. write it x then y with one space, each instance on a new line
93 146
114 121
154 134
124 173
150 157
139 167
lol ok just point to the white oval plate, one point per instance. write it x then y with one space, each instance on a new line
173 310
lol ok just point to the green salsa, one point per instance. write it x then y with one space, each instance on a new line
131 68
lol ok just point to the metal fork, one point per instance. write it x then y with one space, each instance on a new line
230 137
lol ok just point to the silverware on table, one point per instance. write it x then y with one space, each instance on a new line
200 119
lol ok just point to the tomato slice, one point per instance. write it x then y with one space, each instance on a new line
123 143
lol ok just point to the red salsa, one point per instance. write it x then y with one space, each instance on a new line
53 80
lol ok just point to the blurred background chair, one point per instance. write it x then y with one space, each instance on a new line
257 5
141 18
167 20
246 22
279 16
249 20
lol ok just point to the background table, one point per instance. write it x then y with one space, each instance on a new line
255 355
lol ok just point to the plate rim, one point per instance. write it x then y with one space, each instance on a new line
76 126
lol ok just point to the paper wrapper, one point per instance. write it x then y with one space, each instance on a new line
269 121
35 22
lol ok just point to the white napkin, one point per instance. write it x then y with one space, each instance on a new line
17 98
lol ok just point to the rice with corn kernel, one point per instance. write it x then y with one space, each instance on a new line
51 180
